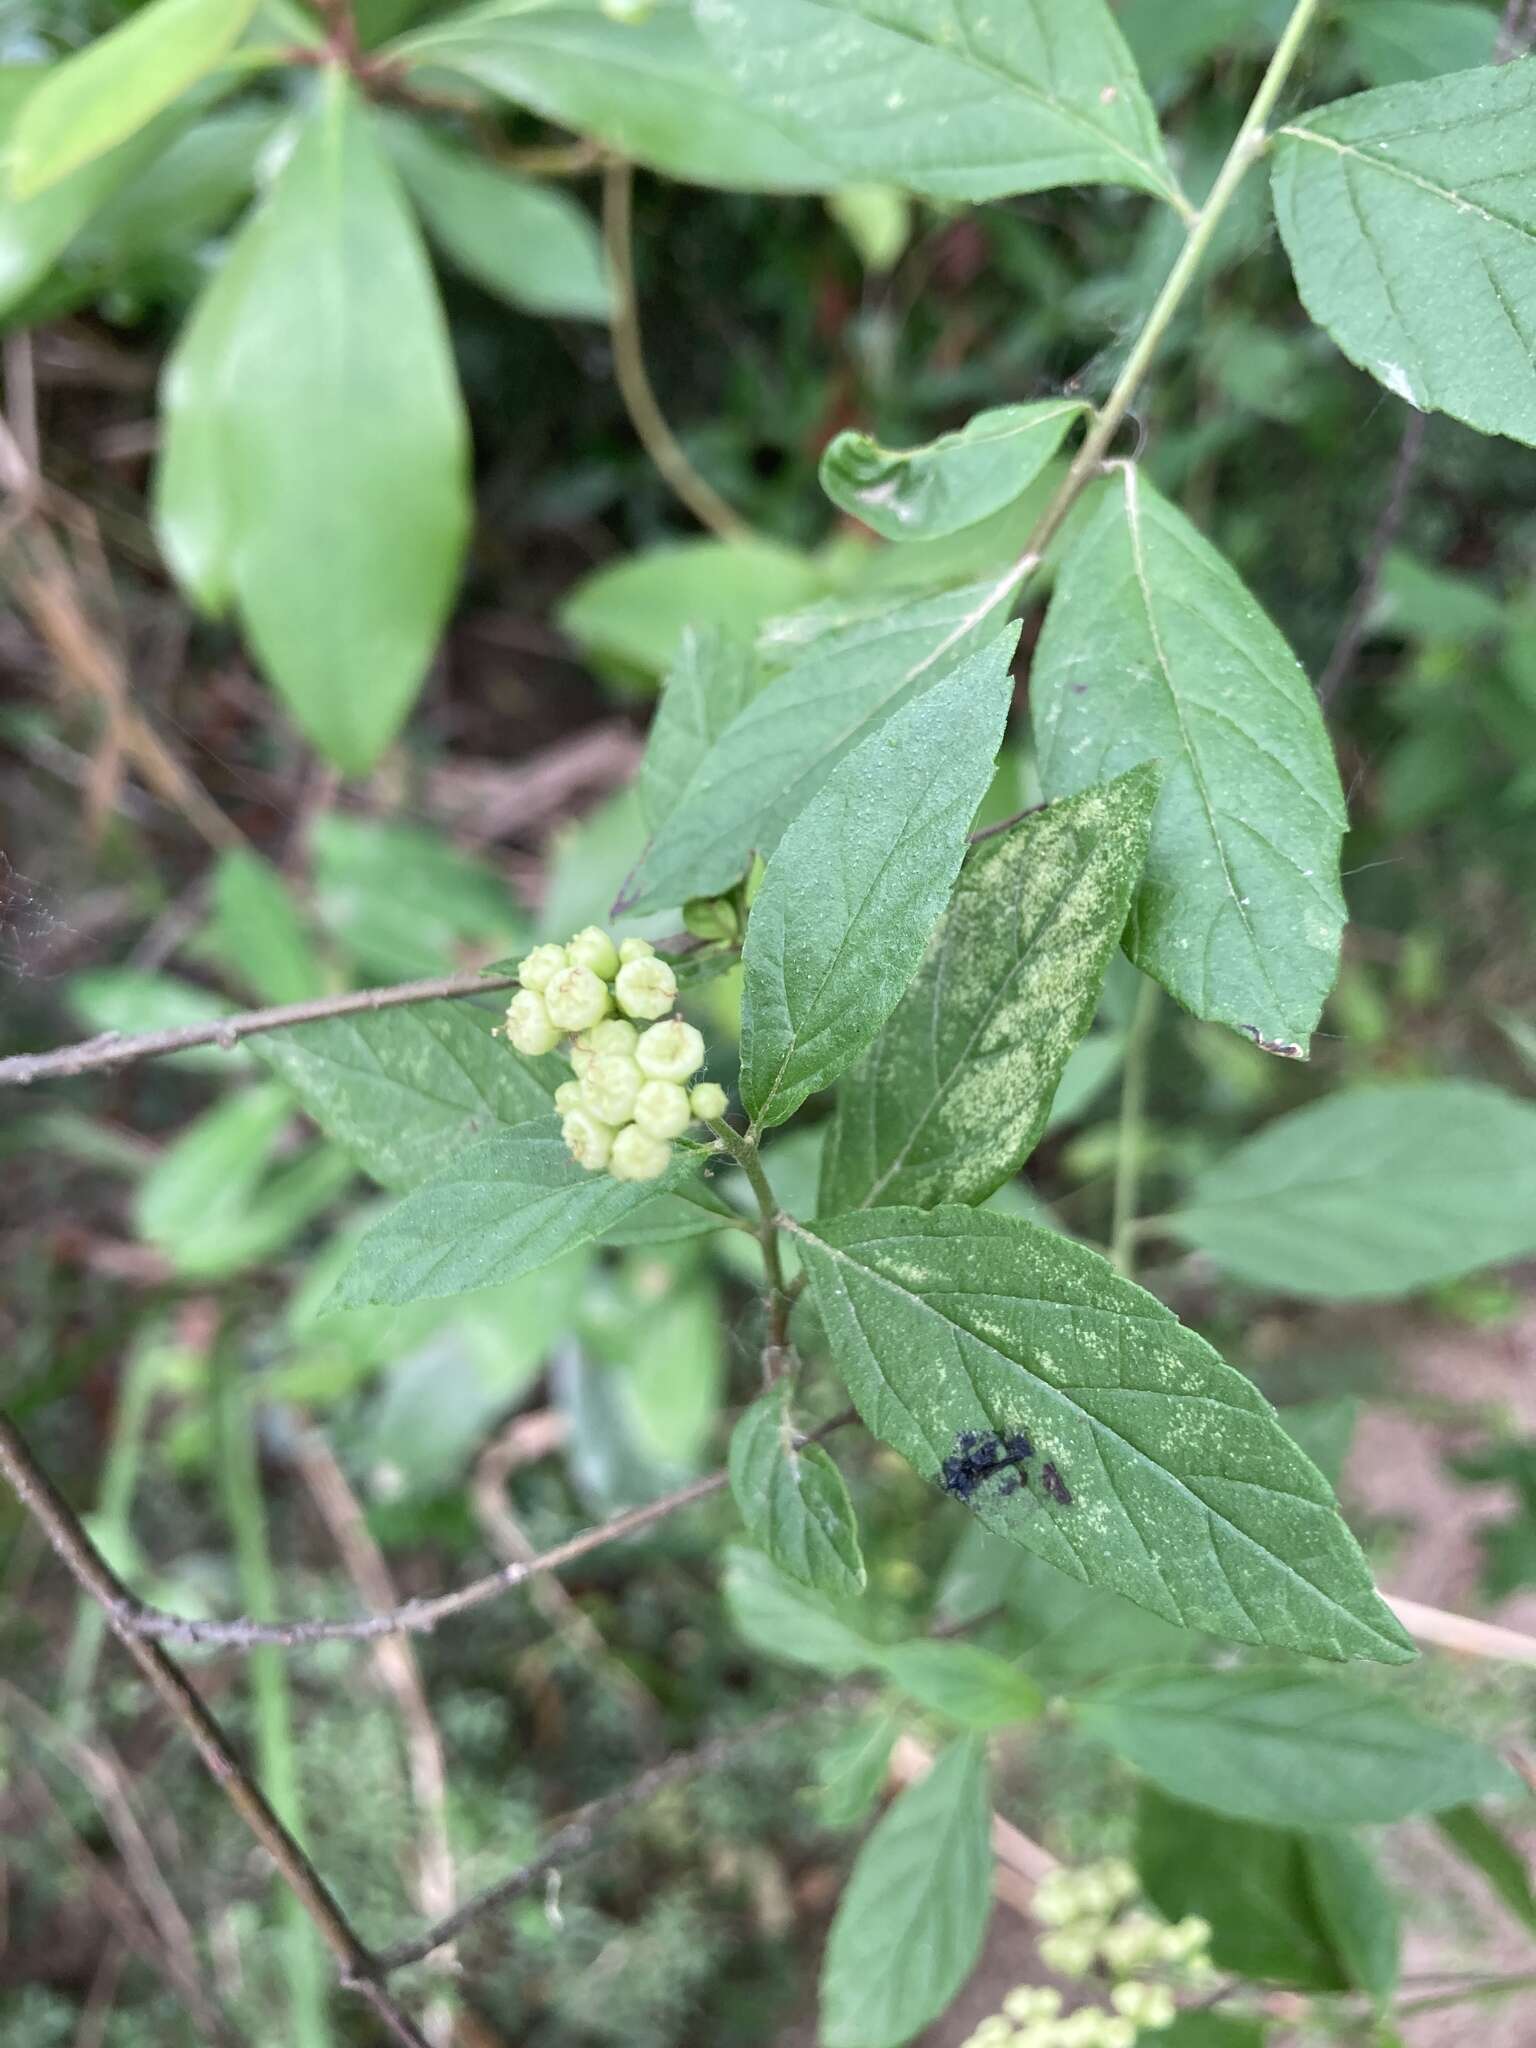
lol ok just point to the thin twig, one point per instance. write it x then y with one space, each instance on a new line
1462 1633
433 1884
1346 647
414 1617
646 416
576 1835
84 1562
113 1049
107 1781
524 1439
421 1616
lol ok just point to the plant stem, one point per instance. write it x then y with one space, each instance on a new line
276 1753
1133 1099
743 1149
1251 141
646 415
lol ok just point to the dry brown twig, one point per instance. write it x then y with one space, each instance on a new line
113 1049
433 1883
357 1966
525 1439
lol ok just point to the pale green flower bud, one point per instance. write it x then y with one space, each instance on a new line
670 1051
1120 1879
1056 1900
1032 2002
1118 2033
614 1034
1079 2029
568 1096
661 1108
992 2033
593 948
610 1085
530 1028
1145 2005
1070 1951
537 969
588 1140
708 1102
576 999
582 1057
1187 1937
1134 1942
645 988
635 949
638 1156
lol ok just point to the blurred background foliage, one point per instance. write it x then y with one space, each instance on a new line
174 847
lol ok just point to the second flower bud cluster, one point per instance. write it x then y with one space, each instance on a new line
630 1097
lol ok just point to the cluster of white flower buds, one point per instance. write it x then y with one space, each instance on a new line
1085 1910
631 1095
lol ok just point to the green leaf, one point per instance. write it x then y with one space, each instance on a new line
109 90
1171 1479
527 242
794 1502
1272 1895
1213 2030
774 756
402 901
851 1770
712 681
910 1923
205 1178
1359 1912
1478 1842
1393 41
190 192
510 1202
968 1684
209 1203
1153 650
1409 216
784 1620
1288 1748
443 1393
403 1091
194 509
35 232
1378 1192
958 1087
340 544
950 483
257 934
635 611
646 87
956 99
858 882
